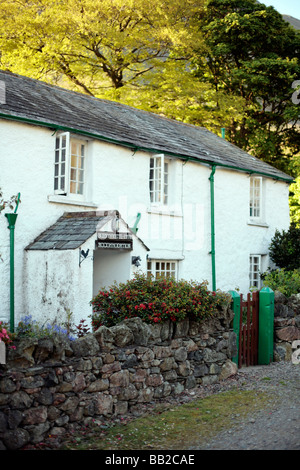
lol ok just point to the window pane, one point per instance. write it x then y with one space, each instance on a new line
73 187
73 174
74 148
80 176
80 188
62 184
73 161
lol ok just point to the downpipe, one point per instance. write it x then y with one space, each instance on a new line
12 218
212 222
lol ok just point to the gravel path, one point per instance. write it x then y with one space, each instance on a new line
276 427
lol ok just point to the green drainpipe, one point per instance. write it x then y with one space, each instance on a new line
212 221
12 217
134 228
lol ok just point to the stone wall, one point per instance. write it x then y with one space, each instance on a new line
49 387
286 325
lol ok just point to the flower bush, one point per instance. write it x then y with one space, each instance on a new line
6 336
155 301
286 282
28 327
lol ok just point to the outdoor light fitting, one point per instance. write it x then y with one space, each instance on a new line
135 260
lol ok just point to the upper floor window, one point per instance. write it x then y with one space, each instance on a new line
256 197
158 180
69 165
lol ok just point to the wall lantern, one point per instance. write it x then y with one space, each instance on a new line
135 260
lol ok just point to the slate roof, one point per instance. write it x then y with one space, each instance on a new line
70 231
42 104
292 21
73 229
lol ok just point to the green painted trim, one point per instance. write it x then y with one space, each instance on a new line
57 127
212 224
266 326
134 229
236 307
11 225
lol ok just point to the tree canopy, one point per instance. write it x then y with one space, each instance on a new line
216 63
95 45
252 53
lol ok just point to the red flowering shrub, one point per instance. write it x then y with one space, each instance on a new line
154 301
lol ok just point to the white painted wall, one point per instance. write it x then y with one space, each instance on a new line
46 283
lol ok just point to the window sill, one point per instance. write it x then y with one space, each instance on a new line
258 223
69 200
164 210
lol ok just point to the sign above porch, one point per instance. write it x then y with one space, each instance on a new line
113 232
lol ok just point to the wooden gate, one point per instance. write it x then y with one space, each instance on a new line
248 330
253 324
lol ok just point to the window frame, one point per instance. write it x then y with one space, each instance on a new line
255 282
159 180
158 272
64 166
256 201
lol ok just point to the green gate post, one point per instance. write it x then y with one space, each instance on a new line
236 307
266 326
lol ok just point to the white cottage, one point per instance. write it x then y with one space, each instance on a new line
107 190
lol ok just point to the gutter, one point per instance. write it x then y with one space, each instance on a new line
57 127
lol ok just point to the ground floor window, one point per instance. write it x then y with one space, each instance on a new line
162 268
255 272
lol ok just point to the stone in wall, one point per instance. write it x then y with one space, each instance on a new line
51 388
286 325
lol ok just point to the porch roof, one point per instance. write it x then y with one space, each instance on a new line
73 229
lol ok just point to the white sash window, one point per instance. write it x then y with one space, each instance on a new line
158 180
256 197
162 268
255 271
69 165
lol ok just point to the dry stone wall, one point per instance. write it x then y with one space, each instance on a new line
49 387
286 325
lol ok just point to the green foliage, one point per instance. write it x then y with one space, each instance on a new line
285 248
94 46
253 54
10 203
29 328
155 301
286 282
295 201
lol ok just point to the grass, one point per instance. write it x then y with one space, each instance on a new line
177 428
